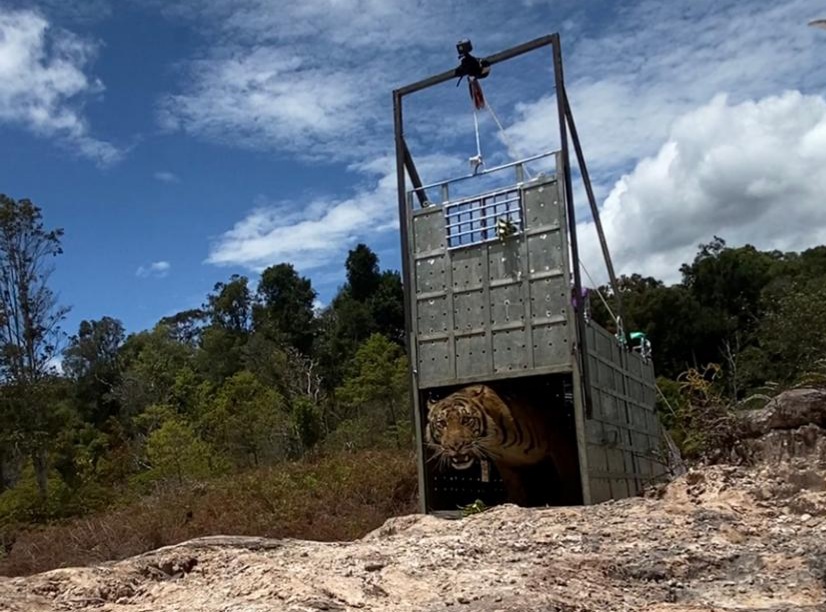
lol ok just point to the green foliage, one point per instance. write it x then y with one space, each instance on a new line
247 421
30 332
363 277
792 335
285 307
93 361
376 389
476 507
375 304
229 307
307 421
151 361
175 452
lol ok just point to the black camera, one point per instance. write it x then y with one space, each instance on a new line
468 65
464 47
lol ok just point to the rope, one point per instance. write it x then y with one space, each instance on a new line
476 129
479 102
614 318
507 141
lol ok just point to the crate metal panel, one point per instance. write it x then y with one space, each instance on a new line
467 268
428 231
551 345
549 298
546 252
432 316
507 304
472 356
430 274
469 311
542 206
433 359
509 351
505 261
623 421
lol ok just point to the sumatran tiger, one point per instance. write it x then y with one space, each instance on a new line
477 424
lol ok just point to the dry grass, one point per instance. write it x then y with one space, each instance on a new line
339 497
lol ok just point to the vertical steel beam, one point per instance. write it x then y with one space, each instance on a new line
569 201
409 291
583 169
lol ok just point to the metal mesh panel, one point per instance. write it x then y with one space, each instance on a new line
473 220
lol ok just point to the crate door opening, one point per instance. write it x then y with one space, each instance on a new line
501 441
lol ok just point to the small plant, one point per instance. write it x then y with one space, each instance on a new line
815 377
476 507
707 418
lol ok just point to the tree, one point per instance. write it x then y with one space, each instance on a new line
387 306
362 272
377 389
285 309
230 305
247 421
186 326
30 318
229 311
151 363
792 336
175 451
343 326
729 282
92 361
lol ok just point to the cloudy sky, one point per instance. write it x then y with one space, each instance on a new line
179 143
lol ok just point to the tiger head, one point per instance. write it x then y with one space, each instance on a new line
456 427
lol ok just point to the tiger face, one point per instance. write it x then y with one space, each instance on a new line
456 428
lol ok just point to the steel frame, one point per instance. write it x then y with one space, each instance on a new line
405 167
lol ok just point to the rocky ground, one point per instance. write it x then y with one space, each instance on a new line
718 538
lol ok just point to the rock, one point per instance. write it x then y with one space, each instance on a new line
789 410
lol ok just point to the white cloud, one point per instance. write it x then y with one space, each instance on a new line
43 79
156 269
262 98
86 12
659 60
167 177
750 172
312 78
316 234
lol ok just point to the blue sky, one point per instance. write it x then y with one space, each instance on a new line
177 146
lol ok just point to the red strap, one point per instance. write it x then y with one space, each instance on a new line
476 93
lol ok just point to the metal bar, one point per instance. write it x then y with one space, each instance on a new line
583 170
459 224
484 196
409 293
493 59
480 230
569 200
482 205
481 208
489 171
413 173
